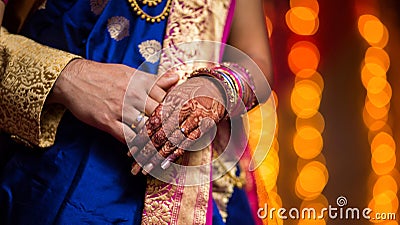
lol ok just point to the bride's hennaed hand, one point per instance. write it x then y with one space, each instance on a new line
94 93
188 112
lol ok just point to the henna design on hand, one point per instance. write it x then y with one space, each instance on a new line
176 124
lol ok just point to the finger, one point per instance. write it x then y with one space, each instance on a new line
187 143
172 158
157 93
122 132
169 129
150 106
156 160
153 124
192 122
143 156
133 118
168 80
168 148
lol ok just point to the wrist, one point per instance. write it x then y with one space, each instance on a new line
60 89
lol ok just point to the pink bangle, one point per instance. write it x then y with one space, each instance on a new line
5 1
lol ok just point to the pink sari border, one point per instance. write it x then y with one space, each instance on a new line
227 27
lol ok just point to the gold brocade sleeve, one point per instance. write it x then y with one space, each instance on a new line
28 71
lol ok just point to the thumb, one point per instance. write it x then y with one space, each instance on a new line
168 80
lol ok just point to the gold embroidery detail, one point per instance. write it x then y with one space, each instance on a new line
97 6
29 72
158 207
118 27
189 20
222 191
150 50
192 21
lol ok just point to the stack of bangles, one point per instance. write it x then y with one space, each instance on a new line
238 85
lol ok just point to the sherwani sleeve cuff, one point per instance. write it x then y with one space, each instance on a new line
28 71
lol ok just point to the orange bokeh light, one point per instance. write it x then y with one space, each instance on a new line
383 138
383 153
305 99
376 112
383 168
311 180
377 56
376 85
370 70
314 77
302 20
311 4
373 31
385 183
308 142
317 121
382 98
303 55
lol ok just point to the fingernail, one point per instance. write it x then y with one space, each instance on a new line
165 164
129 154
135 169
147 168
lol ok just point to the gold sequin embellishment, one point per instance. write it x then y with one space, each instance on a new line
150 50
118 27
97 6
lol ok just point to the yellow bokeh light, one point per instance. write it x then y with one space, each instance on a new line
308 142
370 70
311 180
303 55
377 56
302 20
305 100
382 98
385 183
317 121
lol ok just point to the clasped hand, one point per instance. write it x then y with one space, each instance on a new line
187 112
